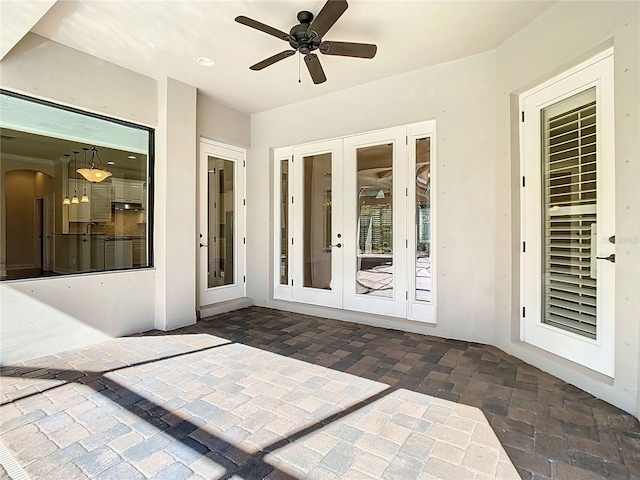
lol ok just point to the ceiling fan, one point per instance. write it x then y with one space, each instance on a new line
307 37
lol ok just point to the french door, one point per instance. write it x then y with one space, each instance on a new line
352 223
568 259
375 267
318 237
221 272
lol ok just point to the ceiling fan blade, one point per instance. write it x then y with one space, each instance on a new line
315 69
271 60
250 22
329 15
349 49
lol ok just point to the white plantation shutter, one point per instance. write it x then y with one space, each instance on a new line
568 215
569 182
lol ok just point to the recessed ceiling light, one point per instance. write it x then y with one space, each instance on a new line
131 157
206 61
111 163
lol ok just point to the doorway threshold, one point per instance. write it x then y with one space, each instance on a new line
223 307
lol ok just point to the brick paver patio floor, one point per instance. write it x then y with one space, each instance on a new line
260 393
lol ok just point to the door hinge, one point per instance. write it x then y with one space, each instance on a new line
406 295
244 278
244 163
292 282
215 239
244 202
523 182
406 140
291 199
244 240
406 192
523 116
524 312
406 243
524 247
291 240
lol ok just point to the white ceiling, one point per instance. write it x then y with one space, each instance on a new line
164 38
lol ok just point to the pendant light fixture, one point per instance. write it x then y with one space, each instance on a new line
94 173
84 198
66 161
75 200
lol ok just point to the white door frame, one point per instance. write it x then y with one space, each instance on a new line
595 354
207 295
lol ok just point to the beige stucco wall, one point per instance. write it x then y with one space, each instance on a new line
563 36
460 97
222 124
48 315
472 101
71 311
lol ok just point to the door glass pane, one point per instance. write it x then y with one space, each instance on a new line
284 222
221 220
317 221
375 221
423 220
569 213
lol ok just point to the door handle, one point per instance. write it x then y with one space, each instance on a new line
611 258
337 245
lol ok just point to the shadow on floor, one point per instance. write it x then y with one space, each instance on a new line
549 428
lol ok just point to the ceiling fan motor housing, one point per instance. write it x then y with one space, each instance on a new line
300 38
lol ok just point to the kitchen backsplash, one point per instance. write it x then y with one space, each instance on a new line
124 223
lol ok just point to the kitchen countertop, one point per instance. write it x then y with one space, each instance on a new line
82 234
125 237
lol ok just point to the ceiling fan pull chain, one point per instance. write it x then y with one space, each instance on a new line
299 55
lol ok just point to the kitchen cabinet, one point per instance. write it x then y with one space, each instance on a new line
118 254
79 212
79 252
99 207
125 190
139 246
100 202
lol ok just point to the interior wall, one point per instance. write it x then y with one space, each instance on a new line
20 194
8 165
460 97
561 37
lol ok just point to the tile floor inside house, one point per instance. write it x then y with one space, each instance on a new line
259 393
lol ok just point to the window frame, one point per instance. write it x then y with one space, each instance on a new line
150 175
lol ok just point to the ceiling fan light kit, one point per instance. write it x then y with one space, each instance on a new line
306 37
